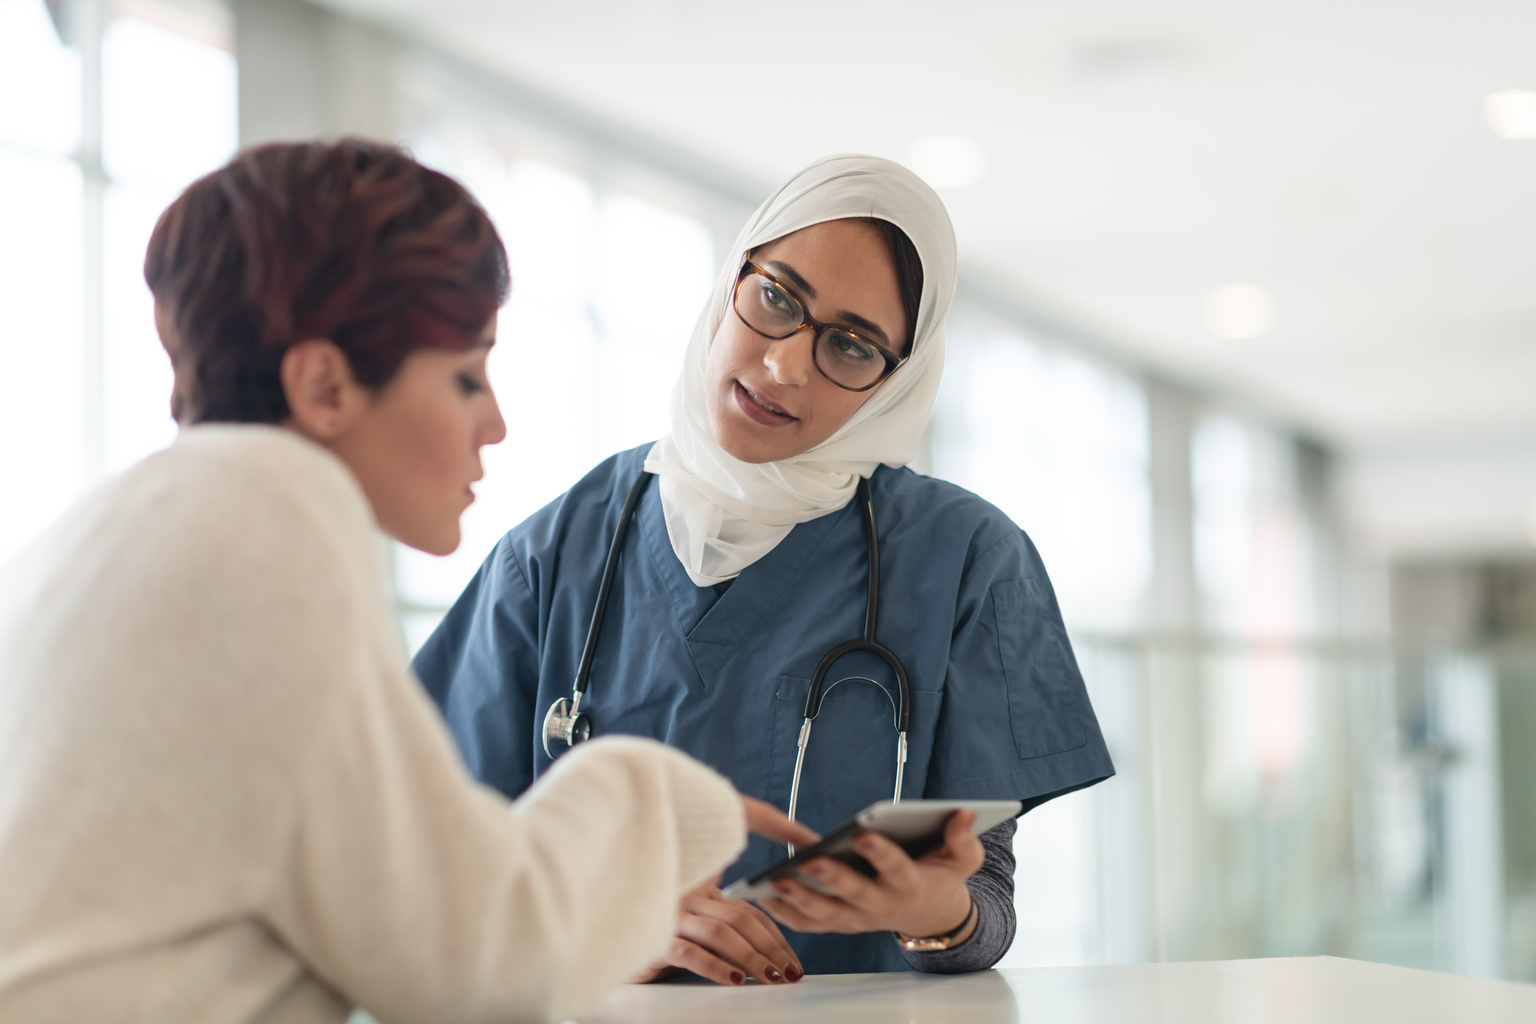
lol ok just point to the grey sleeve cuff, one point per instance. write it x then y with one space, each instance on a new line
992 889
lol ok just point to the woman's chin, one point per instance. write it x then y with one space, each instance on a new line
753 451
749 442
436 542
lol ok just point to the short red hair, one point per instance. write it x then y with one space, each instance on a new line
349 240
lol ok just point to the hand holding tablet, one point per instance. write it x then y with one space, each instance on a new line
917 826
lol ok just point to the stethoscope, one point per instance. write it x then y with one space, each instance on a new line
567 723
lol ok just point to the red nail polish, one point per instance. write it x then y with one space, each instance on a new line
794 973
773 975
737 978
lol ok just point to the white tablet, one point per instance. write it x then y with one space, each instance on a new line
917 826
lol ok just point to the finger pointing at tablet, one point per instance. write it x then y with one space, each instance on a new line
766 820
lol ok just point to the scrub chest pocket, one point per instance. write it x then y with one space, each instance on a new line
1043 684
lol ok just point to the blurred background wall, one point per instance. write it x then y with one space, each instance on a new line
1245 340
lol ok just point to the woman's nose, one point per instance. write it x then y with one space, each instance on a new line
791 360
493 428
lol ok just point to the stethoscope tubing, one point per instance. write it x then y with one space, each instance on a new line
867 643
610 569
565 721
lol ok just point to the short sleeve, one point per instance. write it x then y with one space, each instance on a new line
481 668
1016 722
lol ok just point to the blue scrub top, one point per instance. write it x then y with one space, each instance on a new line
999 710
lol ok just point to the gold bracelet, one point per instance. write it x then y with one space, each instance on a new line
938 942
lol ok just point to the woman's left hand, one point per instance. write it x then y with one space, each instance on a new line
916 898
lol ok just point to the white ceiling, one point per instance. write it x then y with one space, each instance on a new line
1139 155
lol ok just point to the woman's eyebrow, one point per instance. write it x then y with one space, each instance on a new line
868 326
794 277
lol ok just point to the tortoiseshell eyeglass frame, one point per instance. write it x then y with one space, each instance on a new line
748 268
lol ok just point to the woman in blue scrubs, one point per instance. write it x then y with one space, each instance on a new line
814 365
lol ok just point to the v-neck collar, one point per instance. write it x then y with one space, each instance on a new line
713 627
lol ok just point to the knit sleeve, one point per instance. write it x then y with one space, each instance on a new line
992 889
421 895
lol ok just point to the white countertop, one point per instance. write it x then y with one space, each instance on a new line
1295 990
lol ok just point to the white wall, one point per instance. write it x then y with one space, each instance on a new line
1443 500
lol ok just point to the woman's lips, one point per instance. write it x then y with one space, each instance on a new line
759 409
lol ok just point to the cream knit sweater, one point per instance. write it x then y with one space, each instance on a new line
223 797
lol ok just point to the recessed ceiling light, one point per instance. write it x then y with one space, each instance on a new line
1511 113
1238 312
947 161
1134 54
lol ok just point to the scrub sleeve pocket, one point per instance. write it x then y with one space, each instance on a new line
1044 689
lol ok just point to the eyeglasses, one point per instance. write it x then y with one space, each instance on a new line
843 355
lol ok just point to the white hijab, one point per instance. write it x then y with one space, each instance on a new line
723 514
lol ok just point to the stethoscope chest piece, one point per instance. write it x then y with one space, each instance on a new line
565 723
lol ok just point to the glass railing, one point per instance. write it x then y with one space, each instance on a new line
1289 798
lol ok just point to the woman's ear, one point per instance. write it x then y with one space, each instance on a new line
324 398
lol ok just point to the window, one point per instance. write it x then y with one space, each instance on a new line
168 116
1252 543
1251 560
41 273
606 287
86 383
1060 445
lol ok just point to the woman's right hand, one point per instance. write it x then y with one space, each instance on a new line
727 941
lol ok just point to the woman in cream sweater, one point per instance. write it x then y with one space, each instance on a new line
223 797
